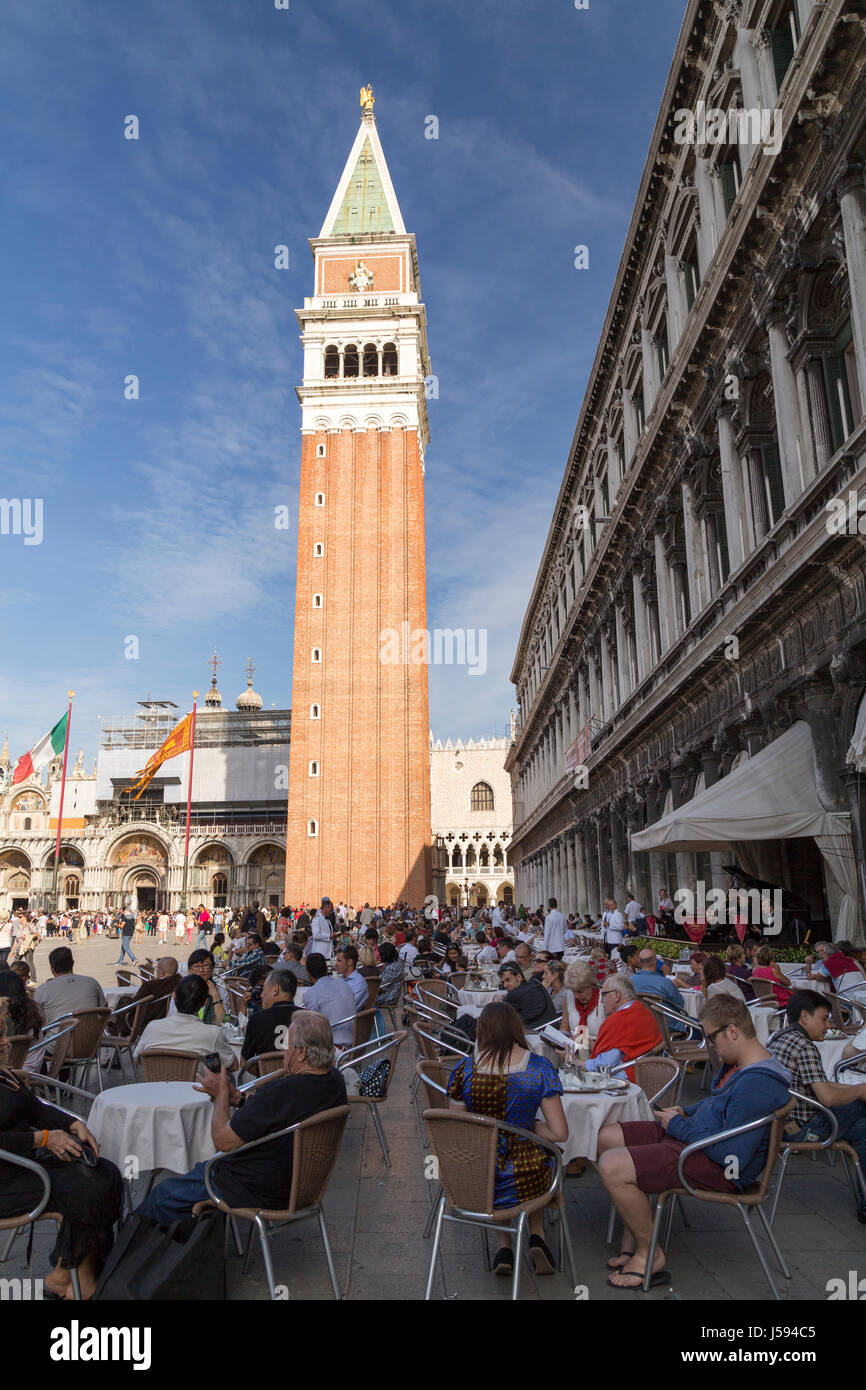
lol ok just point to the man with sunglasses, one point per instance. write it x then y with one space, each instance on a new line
641 1157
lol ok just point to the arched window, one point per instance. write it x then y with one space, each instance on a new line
470 856
457 858
318 550
332 360
350 360
484 857
389 360
219 888
481 797
314 712
498 857
314 768
316 655
371 359
312 828
27 823
317 600
320 451
320 499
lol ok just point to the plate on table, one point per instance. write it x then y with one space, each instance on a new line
592 1083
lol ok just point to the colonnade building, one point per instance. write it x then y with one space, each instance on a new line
692 663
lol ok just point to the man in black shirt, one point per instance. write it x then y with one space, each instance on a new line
528 997
268 1030
262 1177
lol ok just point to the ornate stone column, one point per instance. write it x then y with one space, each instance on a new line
788 425
617 854
732 487
852 201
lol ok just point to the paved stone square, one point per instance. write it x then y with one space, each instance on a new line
376 1218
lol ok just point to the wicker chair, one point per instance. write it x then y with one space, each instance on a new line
384 1049
19 1045
466 1146
264 1065
438 1049
764 990
122 1046
655 1075
127 977
82 1051
685 1051
316 1145
372 989
168 1064
751 1198
832 1144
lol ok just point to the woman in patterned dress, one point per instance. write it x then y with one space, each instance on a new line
508 1082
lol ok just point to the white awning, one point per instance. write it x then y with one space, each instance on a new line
771 796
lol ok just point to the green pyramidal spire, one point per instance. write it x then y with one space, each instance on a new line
365 206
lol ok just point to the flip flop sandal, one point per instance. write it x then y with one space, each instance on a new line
660 1277
620 1261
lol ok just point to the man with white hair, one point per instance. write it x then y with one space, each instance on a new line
262 1177
629 1029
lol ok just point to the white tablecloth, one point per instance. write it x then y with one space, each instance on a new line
478 998
831 1056
762 1021
161 1124
588 1112
694 1002
116 995
796 973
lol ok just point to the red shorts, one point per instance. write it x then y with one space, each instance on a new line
655 1157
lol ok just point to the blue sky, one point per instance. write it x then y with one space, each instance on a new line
155 258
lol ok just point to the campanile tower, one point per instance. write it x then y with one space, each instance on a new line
359 772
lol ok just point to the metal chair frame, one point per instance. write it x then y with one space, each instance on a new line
391 1042
485 1220
832 1144
687 1189
262 1225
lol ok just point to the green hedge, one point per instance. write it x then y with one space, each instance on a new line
670 950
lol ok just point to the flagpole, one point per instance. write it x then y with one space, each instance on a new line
188 805
60 813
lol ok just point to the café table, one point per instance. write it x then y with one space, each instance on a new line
764 1025
472 1001
797 972
115 995
587 1112
831 1055
694 1002
158 1124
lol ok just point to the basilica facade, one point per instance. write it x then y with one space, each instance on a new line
114 851
691 668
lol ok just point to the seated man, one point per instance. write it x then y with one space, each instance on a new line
165 981
528 998
251 957
268 1029
641 1156
346 965
524 958
331 996
505 952
261 1178
487 955
183 1030
219 1003
647 980
291 959
629 1029
795 1047
67 992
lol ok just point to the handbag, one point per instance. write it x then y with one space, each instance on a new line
149 1262
374 1078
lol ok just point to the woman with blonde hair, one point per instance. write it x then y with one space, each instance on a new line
582 1006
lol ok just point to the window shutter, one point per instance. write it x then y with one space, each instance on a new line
772 469
729 186
782 48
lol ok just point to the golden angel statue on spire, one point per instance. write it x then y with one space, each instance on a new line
367 99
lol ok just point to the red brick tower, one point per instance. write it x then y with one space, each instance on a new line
359 772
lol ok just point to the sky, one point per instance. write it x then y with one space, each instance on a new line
154 258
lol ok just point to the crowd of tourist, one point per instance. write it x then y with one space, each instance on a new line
602 1002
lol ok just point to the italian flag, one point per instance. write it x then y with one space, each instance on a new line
47 748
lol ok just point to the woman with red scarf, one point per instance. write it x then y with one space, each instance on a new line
582 1006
